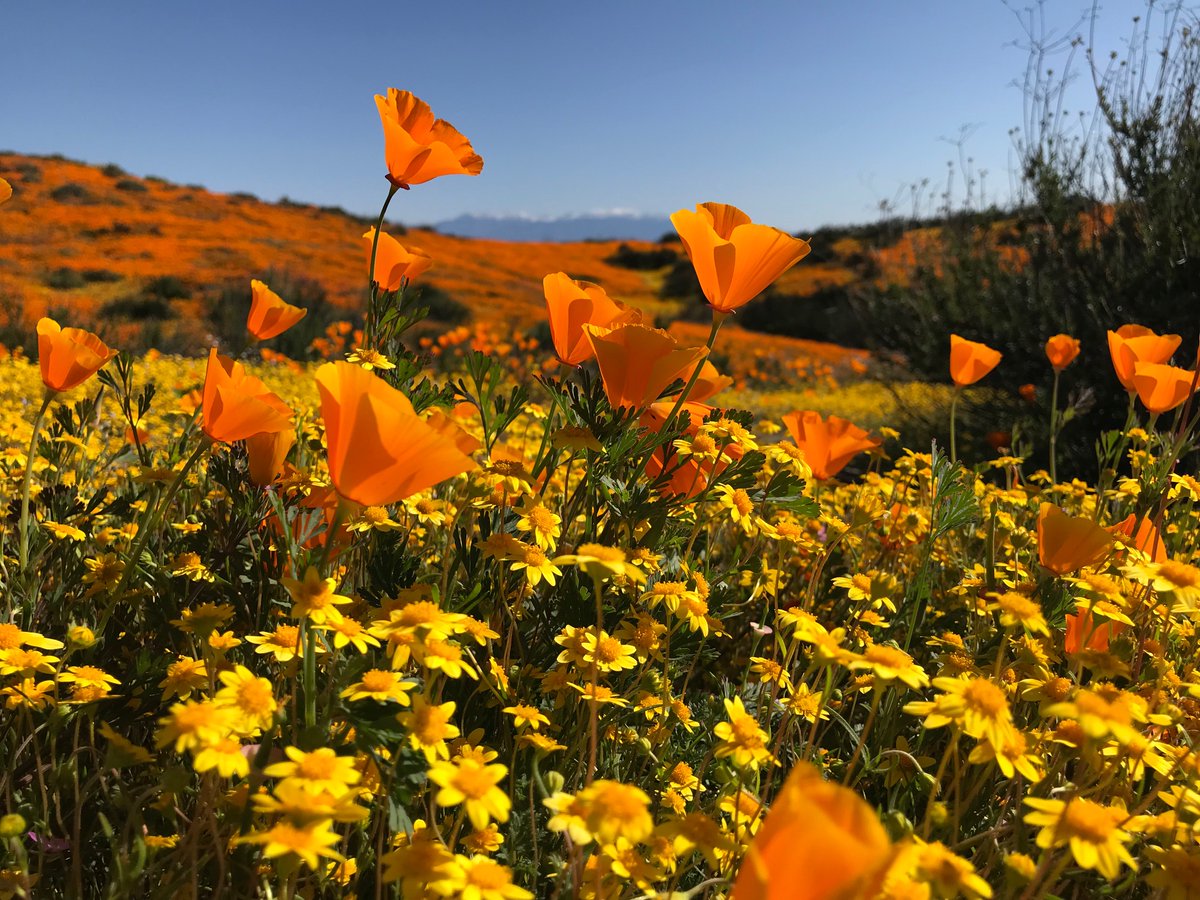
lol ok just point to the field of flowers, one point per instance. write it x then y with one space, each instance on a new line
446 617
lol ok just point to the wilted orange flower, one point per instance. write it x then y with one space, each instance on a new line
735 259
570 305
1161 388
267 451
270 315
637 363
380 450
1028 392
828 444
1061 350
819 841
1067 543
236 405
418 147
394 263
1131 344
5 190
69 356
970 360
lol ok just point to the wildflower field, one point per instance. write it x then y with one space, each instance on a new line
456 616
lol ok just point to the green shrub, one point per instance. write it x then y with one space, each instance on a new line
131 185
627 257
72 193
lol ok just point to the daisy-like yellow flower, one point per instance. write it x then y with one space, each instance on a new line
741 509
227 756
669 593
193 724
948 873
88 676
204 619
19 661
314 598
291 798
1102 710
741 738
889 664
369 359
380 685
525 715
602 562
1091 830
446 657
283 643
467 781
606 653
489 840
429 511
103 573
539 742
977 705
536 565
322 770
429 727
600 694
348 632
63 532
479 878
249 698
611 811
12 637
29 693
1178 580
308 842
1018 611
189 565
373 518
1011 757
544 525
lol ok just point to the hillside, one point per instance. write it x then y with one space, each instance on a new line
101 246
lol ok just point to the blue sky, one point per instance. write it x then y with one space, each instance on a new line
802 113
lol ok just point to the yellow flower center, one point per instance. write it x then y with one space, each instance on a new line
602 553
608 649
681 774
888 657
377 681
741 502
427 507
286 636
1057 689
254 696
703 445
474 781
1090 821
488 876
374 515
317 766
420 612
746 731
10 636
1179 574
983 696
429 725
508 467
541 519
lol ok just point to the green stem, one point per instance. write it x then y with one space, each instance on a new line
144 534
953 423
717 319
1054 428
27 483
309 639
374 249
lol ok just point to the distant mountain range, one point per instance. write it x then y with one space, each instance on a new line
583 227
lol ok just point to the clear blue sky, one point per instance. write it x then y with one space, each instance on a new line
803 113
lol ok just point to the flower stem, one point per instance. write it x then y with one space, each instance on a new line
953 423
1054 428
143 535
717 319
27 483
373 284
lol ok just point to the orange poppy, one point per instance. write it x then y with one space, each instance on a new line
393 263
1084 633
418 147
1143 535
827 444
819 841
570 305
735 259
267 451
1161 388
5 190
1028 393
970 360
1061 350
237 405
688 477
1067 543
638 363
452 431
270 315
380 450
69 356
1131 344
709 383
